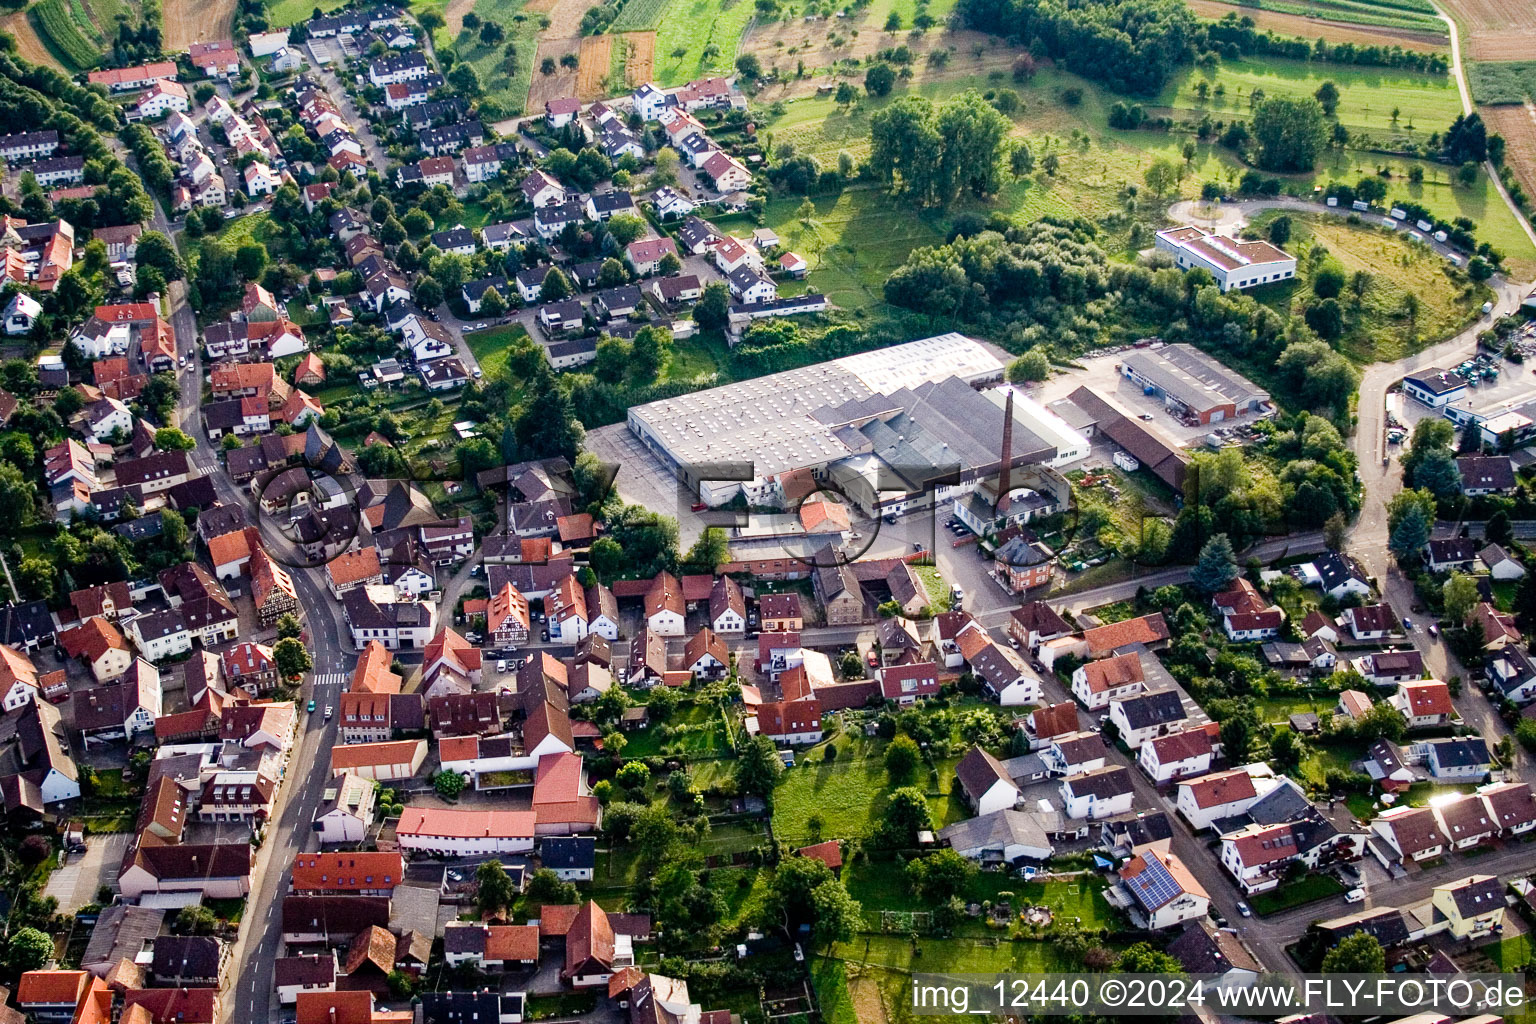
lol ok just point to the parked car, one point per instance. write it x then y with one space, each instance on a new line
311 707
329 711
1354 896
1244 909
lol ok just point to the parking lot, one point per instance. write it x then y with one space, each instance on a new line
1512 388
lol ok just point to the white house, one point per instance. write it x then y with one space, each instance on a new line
313 972
346 809
1210 798
1410 833
1371 621
1424 704
985 782
160 635
1101 793
1146 716
1097 683
1232 262
1500 565
1161 892
21 313
465 832
1434 387
162 97
1177 756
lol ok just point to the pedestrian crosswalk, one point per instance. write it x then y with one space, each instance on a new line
206 465
330 679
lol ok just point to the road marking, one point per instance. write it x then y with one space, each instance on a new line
331 679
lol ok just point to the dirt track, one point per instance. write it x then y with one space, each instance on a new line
28 44
192 21
1313 28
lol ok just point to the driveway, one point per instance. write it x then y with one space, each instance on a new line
75 884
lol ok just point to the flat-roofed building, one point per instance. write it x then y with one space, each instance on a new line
1233 263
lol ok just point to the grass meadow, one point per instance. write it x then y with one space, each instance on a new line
283 13
696 38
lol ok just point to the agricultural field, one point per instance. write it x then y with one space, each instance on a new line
1495 29
1505 82
77 32
191 21
696 38
507 68
1307 26
1381 330
639 16
1410 15
283 13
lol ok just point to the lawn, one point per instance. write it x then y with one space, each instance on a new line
850 797
696 728
490 347
933 583
695 38
282 13
882 885
1308 889
852 243
950 956
701 359
1379 330
1314 767
569 1004
1504 594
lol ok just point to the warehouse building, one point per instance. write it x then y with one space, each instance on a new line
884 426
1233 263
1194 387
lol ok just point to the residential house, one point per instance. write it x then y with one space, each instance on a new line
1100 793
1160 892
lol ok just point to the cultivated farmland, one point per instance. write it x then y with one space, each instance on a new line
639 57
596 60
1517 123
1408 15
192 21
1506 82
507 67
639 15
1497 29
283 13
1308 27
28 43
544 88
66 29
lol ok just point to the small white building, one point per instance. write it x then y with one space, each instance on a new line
1233 263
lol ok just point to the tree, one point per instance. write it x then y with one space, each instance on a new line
556 286
1497 530
1329 278
251 260
27 950
1334 531
448 784
546 887
711 311
1460 596
153 249
170 439
669 264
837 914
18 498
1280 230
495 890
1217 566
1031 366
288 625
1145 958
879 79
428 293
612 274
292 657
465 79
1411 533
1381 722
940 875
1326 317
196 920
906 814
759 767
633 775
626 228
1161 176
1290 133
34 850
1437 473
37 576
1357 953
901 759
749 66
1479 269
1327 96
790 894
709 552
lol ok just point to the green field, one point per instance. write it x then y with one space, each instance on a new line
1305 890
1504 82
694 729
946 956
1367 95
1398 267
490 347
504 79
1417 17
65 27
696 38
639 16
282 13
853 243
850 796
1096 162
